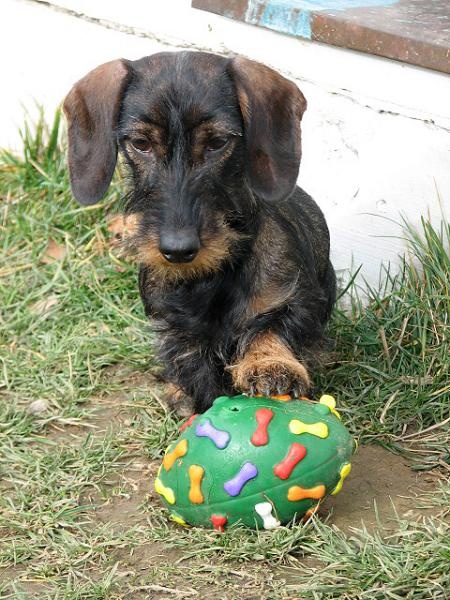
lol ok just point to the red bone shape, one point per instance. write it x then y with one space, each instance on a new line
297 452
263 417
219 522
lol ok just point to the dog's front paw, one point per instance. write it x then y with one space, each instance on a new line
177 401
269 368
272 379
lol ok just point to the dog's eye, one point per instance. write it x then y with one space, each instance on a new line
216 144
141 144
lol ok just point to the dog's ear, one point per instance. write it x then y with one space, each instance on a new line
272 108
92 109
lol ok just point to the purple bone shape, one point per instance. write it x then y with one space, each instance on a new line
207 429
235 485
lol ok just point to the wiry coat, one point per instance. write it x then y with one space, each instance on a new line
213 145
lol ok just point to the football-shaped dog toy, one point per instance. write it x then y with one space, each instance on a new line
257 461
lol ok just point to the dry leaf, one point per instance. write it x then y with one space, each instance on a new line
54 251
37 407
42 307
419 380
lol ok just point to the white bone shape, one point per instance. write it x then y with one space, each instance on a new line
264 510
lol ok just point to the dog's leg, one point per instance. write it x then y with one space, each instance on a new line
269 367
177 401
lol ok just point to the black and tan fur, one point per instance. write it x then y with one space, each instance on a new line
234 258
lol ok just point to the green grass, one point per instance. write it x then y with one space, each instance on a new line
392 371
73 334
96 320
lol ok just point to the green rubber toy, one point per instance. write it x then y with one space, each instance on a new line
257 461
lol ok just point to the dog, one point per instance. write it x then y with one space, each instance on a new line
234 266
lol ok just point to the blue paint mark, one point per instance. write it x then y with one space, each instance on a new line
294 16
319 5
286 20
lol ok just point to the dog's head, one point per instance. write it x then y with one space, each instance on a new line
203 136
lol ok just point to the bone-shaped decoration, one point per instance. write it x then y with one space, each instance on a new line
234 486
343 473
263 417
219 522
264 510
179 451
329 401
189 422
196 475
177 519
310 513
282 397
296 493
317 429
296 453
219 437
165 492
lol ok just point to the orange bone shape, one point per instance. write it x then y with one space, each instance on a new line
296 493
179 451
196 475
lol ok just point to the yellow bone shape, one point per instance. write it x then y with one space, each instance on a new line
317 429
177 519
164 491
296 493
196 475
343 474
329 401
179 451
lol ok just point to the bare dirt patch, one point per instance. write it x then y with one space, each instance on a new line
381 483
111 412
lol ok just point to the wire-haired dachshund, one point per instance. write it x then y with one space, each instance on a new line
234 258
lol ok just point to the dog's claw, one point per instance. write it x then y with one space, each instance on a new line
271 385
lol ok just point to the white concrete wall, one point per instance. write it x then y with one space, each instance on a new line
375 136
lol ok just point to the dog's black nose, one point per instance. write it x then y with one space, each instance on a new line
179 246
